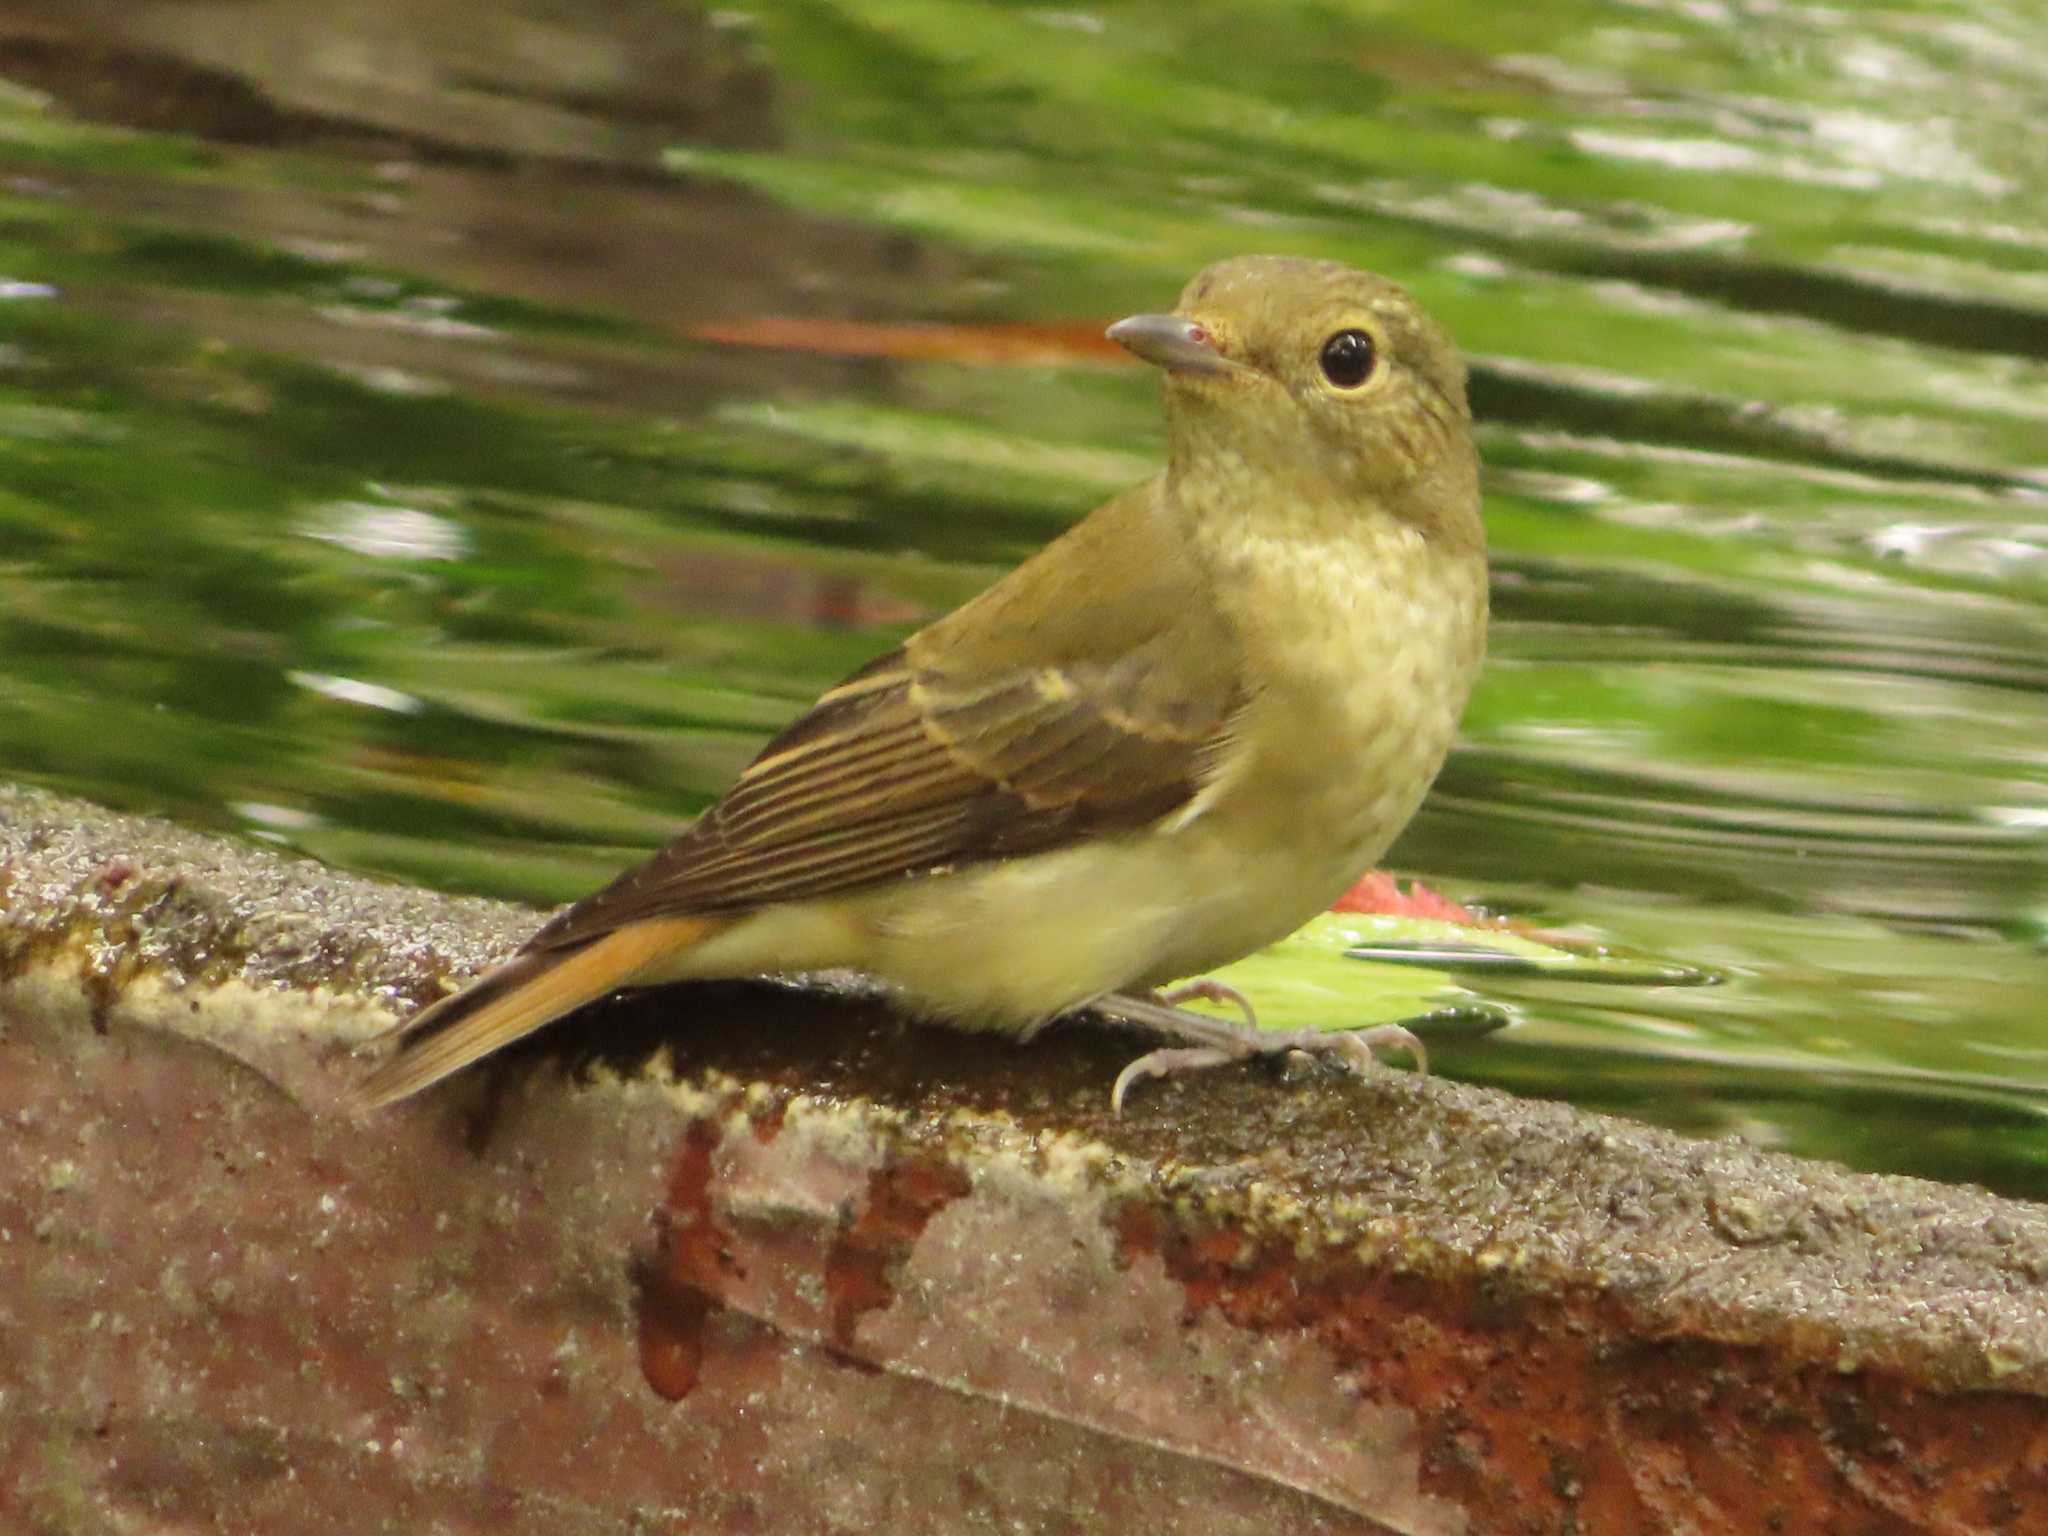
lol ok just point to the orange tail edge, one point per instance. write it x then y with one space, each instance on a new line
513 1000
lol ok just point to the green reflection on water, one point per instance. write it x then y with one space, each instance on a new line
369 497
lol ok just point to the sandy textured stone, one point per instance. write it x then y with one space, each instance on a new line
744 1258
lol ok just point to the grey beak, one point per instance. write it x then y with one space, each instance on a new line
1177 345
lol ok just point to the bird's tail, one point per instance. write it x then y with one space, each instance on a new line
512 1000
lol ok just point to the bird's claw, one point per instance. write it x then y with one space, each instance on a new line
1165 1062
1220 1044
1210 990
1364 1045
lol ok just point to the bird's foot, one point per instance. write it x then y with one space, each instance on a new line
1217 1042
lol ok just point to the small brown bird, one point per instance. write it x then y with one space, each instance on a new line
1171 737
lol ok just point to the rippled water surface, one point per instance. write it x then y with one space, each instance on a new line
448 449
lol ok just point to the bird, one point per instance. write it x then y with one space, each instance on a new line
1170 737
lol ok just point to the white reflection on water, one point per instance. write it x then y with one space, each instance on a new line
388 533
353 690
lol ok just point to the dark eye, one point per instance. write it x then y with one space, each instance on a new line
1348 359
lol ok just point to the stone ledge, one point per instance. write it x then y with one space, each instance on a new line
745 1258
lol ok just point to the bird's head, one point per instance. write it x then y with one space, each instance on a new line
1320 380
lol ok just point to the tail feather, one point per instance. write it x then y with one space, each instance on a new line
528 991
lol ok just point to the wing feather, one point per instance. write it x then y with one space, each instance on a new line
952 750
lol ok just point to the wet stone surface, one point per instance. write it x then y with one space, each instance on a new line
743 1254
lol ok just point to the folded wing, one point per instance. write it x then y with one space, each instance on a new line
907 768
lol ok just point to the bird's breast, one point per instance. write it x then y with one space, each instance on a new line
1363 648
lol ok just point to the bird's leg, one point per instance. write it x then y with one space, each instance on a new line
1218 1042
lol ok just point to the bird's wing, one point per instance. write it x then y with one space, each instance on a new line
904 770
932 757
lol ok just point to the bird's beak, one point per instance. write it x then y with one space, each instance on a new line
1177 345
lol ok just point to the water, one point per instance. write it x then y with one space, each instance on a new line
448 451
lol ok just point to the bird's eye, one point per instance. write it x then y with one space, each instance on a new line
1348 359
